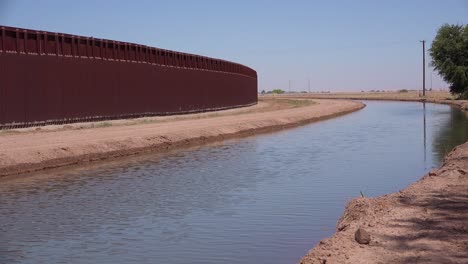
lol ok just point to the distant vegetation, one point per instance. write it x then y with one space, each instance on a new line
403 91
277 91
449 54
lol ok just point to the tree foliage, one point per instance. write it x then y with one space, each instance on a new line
277 91
449 52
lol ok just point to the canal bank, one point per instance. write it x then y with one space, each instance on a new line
34 150
423 223
438 97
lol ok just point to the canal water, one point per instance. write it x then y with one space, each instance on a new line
261 199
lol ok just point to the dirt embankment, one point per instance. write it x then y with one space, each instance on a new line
27 150
425 223
414 96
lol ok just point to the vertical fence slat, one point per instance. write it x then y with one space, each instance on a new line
101 48
137 53
25 41
116 51
86 48
46 43
72 46
92 43
17 41
38 43
2 41
126 52
113 51
57 44
147 54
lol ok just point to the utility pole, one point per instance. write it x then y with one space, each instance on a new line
424 66
309 86
289 86
432 71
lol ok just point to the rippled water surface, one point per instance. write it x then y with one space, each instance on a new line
262 199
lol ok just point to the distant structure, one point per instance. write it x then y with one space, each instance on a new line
55 78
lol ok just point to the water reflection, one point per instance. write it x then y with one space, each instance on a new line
451 132
267 198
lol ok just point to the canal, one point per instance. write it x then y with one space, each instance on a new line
261 199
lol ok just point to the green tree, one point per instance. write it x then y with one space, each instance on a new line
277 91
449 52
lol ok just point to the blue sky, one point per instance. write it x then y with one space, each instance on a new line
339 45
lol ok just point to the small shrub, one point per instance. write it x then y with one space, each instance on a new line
146 121
103 124
403 91
300 103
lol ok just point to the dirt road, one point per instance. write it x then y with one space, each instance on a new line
29 150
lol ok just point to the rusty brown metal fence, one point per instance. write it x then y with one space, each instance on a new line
54 78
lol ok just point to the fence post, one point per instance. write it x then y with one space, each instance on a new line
78 43
17 40
102 49
56 44
38 42
126 51
87 48
92 48
72 45
146 55
137 57
3 39
46 47
62 40
25 41
114 50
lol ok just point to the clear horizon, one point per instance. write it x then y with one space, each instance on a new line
338 45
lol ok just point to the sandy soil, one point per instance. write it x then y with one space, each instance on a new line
425 223
431 96
26 150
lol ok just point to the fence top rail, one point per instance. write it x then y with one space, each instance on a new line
223 65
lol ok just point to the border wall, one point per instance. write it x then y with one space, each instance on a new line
55 78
